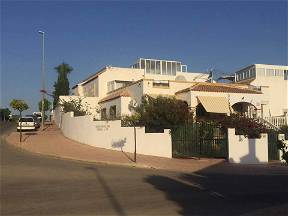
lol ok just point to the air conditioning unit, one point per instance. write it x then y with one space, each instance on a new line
264 102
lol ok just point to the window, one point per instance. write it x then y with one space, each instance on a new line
173 68
253 74
152 67
184 68
121 83
142 64
178 67
103 114
169 68
237 77
285 74
26 120
110 86
269 72
247 74
148 66
164 84
164 71
163 67
112 112
278 72
158 67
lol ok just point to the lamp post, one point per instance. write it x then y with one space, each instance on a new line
43 80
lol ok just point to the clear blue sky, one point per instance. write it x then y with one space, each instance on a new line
89 35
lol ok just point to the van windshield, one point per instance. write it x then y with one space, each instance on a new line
26 120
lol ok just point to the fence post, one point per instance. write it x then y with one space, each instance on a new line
135 144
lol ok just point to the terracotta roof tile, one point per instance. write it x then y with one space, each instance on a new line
116 94
220 87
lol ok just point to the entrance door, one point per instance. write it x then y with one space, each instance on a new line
273 151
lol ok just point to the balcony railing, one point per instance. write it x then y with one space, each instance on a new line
277 121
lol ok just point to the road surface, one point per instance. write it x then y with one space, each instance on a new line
32 184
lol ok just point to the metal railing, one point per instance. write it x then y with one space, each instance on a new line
277 121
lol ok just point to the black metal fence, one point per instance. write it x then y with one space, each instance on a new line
199 139
273 151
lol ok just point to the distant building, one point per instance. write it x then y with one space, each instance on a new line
272 81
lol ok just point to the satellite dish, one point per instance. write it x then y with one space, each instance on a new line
180 78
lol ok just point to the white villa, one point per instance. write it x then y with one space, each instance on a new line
258 91
272 81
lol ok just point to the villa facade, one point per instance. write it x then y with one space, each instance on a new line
272 81
258 90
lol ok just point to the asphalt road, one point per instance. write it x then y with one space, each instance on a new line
37 185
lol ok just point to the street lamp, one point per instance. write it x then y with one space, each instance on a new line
43 80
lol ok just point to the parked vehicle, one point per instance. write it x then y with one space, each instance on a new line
38 115
37 122
27 123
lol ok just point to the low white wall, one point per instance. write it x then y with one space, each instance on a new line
110 135
247 151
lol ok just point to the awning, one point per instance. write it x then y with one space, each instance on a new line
214 104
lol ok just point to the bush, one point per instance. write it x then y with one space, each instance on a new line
159 113
284 130
284 149
243 126
76 106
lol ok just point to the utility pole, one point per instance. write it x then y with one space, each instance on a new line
43 80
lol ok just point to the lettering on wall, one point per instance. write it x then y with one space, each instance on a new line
102 127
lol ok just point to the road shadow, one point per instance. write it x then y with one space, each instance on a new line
210 192
191 199
113 200
120 144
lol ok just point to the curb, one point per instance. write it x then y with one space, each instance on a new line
141 166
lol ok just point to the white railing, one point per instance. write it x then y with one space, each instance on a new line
267 124
278 121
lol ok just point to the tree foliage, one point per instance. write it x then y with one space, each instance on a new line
4 113
161 112
47 105
249 127
75 105
19 105
284 149
61 86
284 130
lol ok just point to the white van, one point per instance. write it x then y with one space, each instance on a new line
38 115
27 123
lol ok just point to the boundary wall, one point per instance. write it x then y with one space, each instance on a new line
110 135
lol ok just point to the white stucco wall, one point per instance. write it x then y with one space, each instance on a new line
122 106
110 135
275 92
247 151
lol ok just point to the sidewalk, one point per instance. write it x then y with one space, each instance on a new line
52 142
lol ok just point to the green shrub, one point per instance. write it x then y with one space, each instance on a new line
76 106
